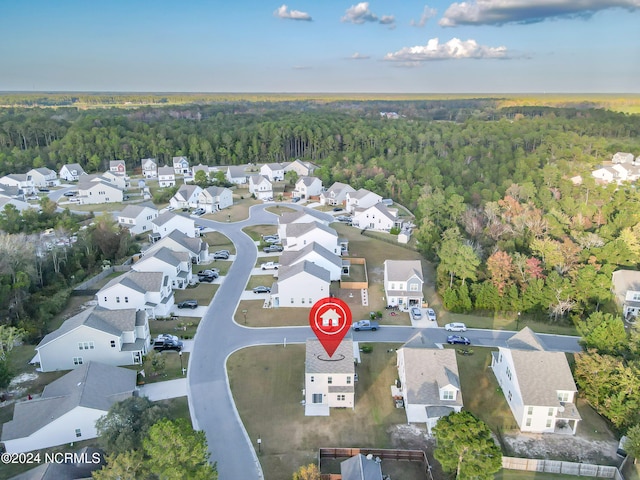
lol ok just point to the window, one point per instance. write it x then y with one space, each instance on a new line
530 411
317 398
548 423
113 344
77 360
86 346
447 395
392 286
310 300
291 301
329 380
349 380
413 287
105 299
78 432
509 397
117 299
636 296
312 379
126 299
508 373
528 422
341 398
302 300
550 413
563 396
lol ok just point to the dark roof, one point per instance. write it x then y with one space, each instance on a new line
360 467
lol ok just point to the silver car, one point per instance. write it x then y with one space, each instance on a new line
455 327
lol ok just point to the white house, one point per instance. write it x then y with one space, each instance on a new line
329 382
377 217
119 180
302 216
200 168
18 204
177 241
236 174
362 198
623 157
68 408
176 265
261 187
605 174
43 177
537 385
307 187
186 197
300 167
336 194
429 383
22 181
166 177
95 191
273 171
118 167
71 172
299 235
180 165
112 337
626 288
300 285
315 253
137 218
149 291
167 222
149 168
403 281
213 199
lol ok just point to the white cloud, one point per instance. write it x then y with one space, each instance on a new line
359 13
453 49
284 12
387 20
499 12
427 13
359 56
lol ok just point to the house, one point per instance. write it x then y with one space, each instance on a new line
95 191
300 167
236 174
261 187
78 466
118 167
213 199
329 381
176 265
112 337
377 217
403 281
299 235
537 385
22 181
167 222
626 288
273 171
137 218
200 168
360 467
177 241
11 191
68 408
148 291
300 285
307 187
362 198
43 177
336 194
149 168
317 254
166 177
180 165
622 157
186 197
71 172
18 204
429 383
302 216
119 180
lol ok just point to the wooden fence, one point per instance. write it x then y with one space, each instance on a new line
564 468
382 453
356 285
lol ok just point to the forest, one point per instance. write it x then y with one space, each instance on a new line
504 200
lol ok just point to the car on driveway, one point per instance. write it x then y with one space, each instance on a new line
270 266
416 313
272 248
455 327
167 336
188 304
337 209
199 211
271 239
431 314
261 289
365 325
295 199
209 272
70 194
458 340
220 256
167 344
208 278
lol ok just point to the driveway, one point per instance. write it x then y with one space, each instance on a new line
164 390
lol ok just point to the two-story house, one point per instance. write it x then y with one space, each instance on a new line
537 384
329 381
120 180
622 157
176 265
403 282
71 172
186 197
377 217
315 253
302 216
148 291
236 174
181 165
301 168
149 167
299 235
336 194
261 187
213 199
92 190
166 177
177 241
112 337
362 198
300 285
273 171
22 181
44 177
307 187
167 222
137 218
626 288
118 167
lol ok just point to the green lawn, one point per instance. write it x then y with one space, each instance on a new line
280 209
202 292
222 265
257 231
218 241
267 280
257 316
184 327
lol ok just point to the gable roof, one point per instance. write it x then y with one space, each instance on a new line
167 217
166 171
142 282
402 270
338 187
73 166
380 207
215 191
83 387
132 211
275 166
308 181
298 229
625 280
291 257
525 339
360 467
179 160
361 193
193 244
288 271
167 256
43 171
317 360
258 179
293 217
236 171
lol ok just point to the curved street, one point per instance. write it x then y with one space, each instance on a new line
211 403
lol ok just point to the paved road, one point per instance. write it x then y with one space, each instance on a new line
218 336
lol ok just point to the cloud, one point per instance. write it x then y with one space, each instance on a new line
388 20
427 13
284 12
453 49
360 14
359 56
499 12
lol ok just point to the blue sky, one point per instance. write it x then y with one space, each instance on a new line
406 46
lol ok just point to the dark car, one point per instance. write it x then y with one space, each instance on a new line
337 209
199 211
458 339
295 199
209 272
44 190
208 278
69 194
272 248
261 289
188 304
162 344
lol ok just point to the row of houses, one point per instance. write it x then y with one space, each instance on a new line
625 167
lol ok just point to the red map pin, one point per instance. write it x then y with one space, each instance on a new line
330 320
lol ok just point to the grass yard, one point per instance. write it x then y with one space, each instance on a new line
218 241
280 209
289 439
202 292
183 327
222 265
257 231
258 280
238 211
631 471
172 367
256 316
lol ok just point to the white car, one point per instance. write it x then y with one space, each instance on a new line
416 313
431 314
455 327
270 266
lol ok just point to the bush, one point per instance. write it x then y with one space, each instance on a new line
366 348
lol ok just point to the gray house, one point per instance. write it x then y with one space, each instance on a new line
403 281
360 467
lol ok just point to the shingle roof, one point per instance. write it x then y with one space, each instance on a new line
167 256
294 217
360 468
44 171
288 271
139 281
92 385
258 179
625 280
237 171
525 339
132 211
308 181
381 207
402 270
186 191
317 360
74 166
361 193
297 229
291 257
166 171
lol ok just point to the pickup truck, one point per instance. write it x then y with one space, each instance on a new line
365 325
270 266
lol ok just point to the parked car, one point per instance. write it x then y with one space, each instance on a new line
125 197
209 272
70 194
272 239
458 339
337 209
44 190
365 325
167 344
188 304
167 336
270 266
226 252
295 199
343 218
261 289
199 211
416 313
208 278
455 327
272 248
431 314
220 256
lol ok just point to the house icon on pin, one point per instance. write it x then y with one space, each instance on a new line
330 318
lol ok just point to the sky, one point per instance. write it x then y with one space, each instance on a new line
332 46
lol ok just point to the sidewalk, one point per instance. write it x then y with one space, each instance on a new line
164 390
